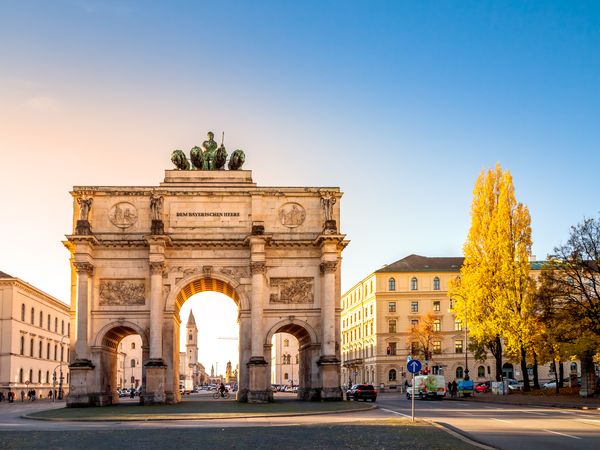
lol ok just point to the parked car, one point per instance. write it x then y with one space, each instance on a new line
483 387
514 385
361 392
552 384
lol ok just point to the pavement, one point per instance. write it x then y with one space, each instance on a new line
537 398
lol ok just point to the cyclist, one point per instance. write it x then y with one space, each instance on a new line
222 390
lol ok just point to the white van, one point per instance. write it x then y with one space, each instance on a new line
428 386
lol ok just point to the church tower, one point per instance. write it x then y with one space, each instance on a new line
191 343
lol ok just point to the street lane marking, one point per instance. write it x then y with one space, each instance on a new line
395 412
536 413
500 420
562 434
588 420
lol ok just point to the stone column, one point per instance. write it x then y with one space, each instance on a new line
155 367
257 365
329 362
82 347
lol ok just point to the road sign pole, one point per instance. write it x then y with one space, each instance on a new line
413 397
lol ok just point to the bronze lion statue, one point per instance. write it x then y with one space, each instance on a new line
237 160
197 157
179 159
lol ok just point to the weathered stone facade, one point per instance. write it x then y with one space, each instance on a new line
138 253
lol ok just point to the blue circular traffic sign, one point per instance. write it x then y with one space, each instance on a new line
414 366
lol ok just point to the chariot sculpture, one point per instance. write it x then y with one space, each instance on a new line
209 156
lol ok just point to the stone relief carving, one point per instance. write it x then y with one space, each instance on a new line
207 271
258 267
156 206
292 290
85 205
292 215
327 202
83 267
122 292
328 267
235 272
123 215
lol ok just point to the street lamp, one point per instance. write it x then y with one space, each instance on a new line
466 377
61 377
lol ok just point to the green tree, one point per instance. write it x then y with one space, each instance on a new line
493 291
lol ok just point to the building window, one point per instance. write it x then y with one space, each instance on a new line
481 372
414 284
39 376
414 323
451 304
62 327
62 353
55 352
49 322
458 346
437 325
392 326
190 337
23 312
297 359
459 372
457 325
20 375
437 347
41 319
414 307
47 376
40 350
392 346
436 306
133 363
436 284
31 348
133 343
286 342
392 375
56 324
285 376
32 316
392 307
22 348
48 351
30 376
392 284
68 329
414 346
574 368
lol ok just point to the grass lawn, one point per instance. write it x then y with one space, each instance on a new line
214 409
383 434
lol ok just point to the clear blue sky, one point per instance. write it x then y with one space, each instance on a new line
399 103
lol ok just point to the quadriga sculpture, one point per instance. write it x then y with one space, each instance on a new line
179 159
197 157
237 160
220 158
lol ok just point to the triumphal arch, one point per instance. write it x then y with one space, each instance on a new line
138 253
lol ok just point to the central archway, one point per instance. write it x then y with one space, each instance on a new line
182 292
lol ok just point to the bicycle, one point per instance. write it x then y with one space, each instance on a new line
217 395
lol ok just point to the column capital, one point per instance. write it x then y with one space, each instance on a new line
83 267
157 267
328 267
258 267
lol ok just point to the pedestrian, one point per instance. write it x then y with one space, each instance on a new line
454 388
1 396
11 396
33 395
450 388
22 396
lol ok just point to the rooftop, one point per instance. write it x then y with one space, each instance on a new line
418 263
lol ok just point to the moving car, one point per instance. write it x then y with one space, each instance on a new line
361 392
427 386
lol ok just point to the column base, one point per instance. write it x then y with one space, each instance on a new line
154 391
330 378
259 392
81 374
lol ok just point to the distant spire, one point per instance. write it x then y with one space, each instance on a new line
191 321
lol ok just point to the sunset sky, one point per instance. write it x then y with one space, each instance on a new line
399 103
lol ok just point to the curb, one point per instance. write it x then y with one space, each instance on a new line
537 405
463 437
158 419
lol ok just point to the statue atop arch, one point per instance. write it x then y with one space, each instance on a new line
209 156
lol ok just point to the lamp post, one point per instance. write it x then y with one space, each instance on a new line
466 377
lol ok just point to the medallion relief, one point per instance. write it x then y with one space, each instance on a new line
292 215
292 290
123 215
122 292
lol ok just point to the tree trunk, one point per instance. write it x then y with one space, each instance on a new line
588 376
561 374
536 379
556 364
496 350
526 387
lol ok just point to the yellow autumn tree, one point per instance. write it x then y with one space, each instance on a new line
492 292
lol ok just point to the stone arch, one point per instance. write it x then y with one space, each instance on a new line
197 283
115 331
309 352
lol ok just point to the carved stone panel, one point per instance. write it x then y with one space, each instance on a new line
292 215
122 292
123 215
292 290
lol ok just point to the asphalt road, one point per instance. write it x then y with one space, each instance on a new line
505 426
